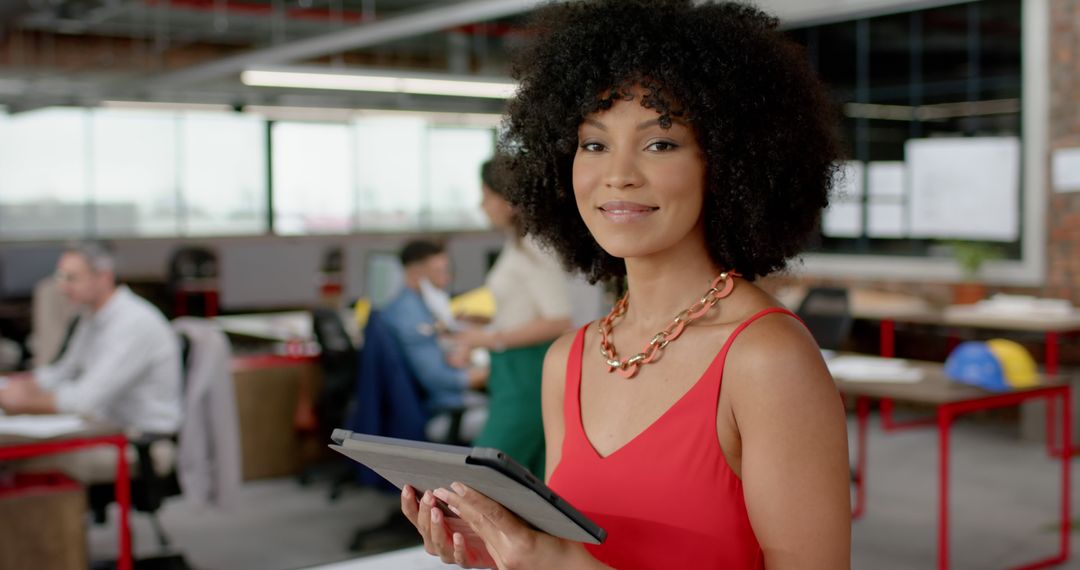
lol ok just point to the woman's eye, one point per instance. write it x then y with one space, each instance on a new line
592 147
661 146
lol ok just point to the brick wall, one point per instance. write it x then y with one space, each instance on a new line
1063 211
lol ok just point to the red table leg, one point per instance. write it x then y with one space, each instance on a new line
944 421
1051 429
862 407
948 412
123 500
211 303
1053 340
1066 463
887 330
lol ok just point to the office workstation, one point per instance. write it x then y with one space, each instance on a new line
229 227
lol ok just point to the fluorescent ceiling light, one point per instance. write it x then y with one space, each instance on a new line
378 81
166 106
287 113
338 114
490 120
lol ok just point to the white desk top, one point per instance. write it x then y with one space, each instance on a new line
408 559
280 327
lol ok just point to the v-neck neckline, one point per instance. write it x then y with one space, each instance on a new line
717 360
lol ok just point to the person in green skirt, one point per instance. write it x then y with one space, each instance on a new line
532 308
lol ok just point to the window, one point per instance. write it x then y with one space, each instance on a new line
455 156
223 174
111 172
390 158
133 180
949 76
43 174
313 178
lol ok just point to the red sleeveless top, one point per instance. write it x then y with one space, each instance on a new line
667 498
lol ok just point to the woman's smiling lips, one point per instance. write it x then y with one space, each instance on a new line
623 212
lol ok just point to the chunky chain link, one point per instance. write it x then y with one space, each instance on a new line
721 287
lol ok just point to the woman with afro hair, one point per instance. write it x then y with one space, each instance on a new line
688 148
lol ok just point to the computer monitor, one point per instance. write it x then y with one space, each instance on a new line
383 277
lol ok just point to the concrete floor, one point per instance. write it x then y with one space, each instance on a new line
1005 505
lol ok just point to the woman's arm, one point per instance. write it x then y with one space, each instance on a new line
495 536
793 432
551 399
533 332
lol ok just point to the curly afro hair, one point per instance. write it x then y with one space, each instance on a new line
761 116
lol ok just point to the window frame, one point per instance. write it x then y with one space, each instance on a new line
1030 269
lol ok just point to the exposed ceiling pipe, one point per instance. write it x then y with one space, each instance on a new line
249 8
413 24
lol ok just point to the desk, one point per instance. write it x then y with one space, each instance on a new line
18 447
275 398
281 327
951 400
1051 326
413 558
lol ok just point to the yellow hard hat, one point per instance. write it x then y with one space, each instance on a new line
1016 362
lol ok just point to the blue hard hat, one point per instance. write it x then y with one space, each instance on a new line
974 363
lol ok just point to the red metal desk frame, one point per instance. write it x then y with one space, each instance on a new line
1051 358
946 413
9 451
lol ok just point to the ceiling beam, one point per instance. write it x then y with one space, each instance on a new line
377 32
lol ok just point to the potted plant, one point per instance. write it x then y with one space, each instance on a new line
970 256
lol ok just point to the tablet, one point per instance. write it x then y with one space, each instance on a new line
428 466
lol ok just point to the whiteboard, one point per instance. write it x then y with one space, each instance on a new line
886 179
1066 166
843 217
886 220
966 188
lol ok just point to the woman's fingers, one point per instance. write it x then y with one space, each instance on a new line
409 504
423 521
440 538
499 529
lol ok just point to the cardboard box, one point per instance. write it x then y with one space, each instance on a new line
43 523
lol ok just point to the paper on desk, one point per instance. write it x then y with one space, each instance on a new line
41 426
1016 306
873 369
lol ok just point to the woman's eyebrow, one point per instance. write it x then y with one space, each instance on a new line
656 122
595 123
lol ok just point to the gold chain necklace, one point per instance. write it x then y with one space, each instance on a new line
721 287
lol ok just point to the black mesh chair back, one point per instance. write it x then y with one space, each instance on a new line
827 313
338 359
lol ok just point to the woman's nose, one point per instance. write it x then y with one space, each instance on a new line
622 171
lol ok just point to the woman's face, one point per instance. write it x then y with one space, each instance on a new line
497 209
639 187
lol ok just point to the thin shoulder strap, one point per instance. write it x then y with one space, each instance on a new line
717 367
572 387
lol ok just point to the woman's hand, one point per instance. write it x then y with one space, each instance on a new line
494 537
474 338
451 539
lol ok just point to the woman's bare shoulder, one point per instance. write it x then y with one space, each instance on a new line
776 352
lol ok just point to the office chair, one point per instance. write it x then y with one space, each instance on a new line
338 360
149 489
827 314
192 276
389 401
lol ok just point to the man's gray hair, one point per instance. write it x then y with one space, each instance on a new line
97 255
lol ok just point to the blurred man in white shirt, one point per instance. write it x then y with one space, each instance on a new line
122 363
